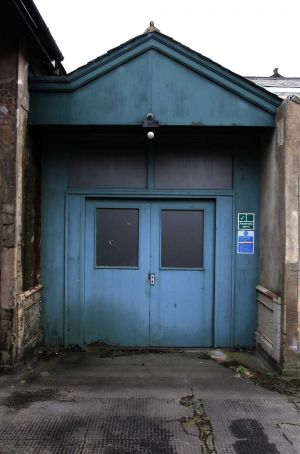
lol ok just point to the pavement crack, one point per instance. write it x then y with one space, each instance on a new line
281 427
199 421
288 424
295 403
287 438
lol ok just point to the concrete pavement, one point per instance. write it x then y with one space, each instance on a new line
158 403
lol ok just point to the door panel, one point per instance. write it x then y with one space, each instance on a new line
116 273
127 241
181 308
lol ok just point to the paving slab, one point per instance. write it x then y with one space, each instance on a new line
171 403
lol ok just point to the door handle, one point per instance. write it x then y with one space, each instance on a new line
151 277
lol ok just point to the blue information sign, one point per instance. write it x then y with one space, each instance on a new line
245 244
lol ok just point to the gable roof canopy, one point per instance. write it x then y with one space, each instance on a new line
151 73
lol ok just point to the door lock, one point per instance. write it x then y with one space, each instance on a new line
151 277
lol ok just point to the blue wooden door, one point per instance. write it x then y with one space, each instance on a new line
117 260
182 261
149 273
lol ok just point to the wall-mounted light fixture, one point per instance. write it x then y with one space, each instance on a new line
149 122
150 135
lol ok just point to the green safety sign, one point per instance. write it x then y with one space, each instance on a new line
246 221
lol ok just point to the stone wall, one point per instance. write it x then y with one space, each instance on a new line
8 133
19 211
279 229
31 214
290 145
272 229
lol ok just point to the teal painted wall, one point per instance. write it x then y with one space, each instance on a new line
235 275
247 184
54 184
152 74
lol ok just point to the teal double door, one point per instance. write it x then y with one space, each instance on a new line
148 273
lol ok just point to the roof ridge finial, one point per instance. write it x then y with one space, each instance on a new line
151 28
276 73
